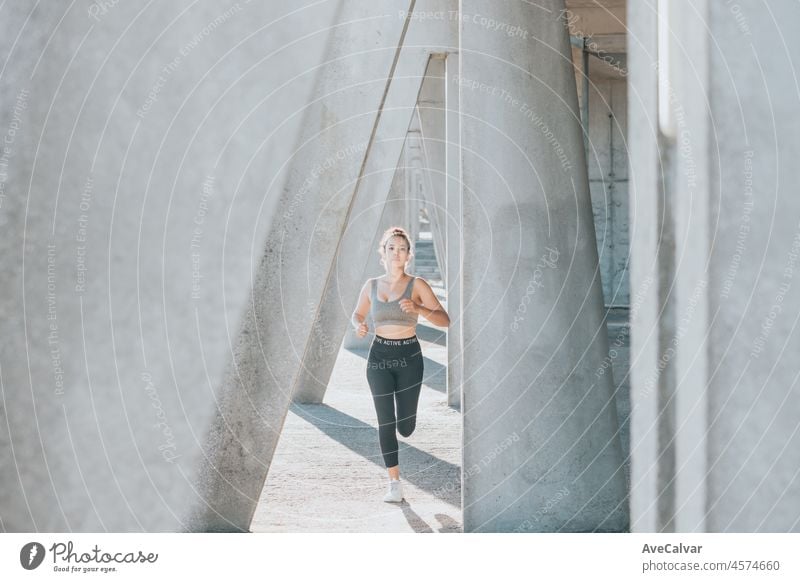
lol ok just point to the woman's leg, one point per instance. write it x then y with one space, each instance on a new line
409 384
382 385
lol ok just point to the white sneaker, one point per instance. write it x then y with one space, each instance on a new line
395 492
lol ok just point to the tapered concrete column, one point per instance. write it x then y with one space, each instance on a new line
432 130
394 207
332 315
299 257
139 147
453 232
541 444
725 378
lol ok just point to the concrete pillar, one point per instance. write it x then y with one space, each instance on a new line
415 182
394 207
431 114
541 444
453 232
719 377
332 316
123 282
301 247
648 253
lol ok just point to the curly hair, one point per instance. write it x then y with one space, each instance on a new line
388 234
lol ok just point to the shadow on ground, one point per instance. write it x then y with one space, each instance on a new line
439 478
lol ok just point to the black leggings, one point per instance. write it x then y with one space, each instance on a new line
394 373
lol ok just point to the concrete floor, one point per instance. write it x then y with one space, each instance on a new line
327 474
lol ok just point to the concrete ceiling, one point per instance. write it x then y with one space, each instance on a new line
590 17
595 3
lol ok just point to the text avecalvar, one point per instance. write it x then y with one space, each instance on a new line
671 549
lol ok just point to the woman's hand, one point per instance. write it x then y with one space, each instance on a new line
362 329
409 306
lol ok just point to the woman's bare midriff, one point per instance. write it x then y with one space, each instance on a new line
395 331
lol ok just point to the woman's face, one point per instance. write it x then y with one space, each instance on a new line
396 251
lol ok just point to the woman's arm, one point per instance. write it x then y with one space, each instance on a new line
359 316
429 308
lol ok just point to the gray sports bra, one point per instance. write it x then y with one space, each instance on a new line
389 312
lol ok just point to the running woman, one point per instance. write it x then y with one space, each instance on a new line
394 366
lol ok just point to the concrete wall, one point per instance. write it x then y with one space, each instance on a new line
601 26
608 181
